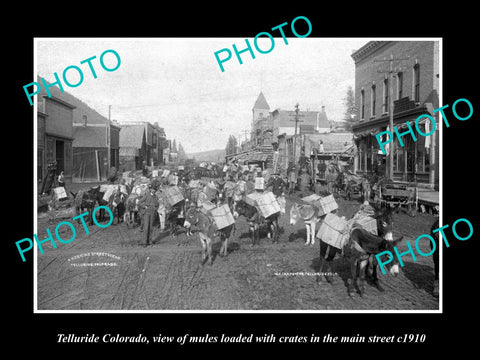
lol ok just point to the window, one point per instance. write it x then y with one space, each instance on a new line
84 120
416 82
385 95
373 104
362 104
399 85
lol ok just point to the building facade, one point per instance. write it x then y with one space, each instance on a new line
54 135
414 85
94 145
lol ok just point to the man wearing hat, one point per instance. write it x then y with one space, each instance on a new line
149 203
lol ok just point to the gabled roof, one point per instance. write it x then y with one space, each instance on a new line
80 108
332 142
261 102
132 136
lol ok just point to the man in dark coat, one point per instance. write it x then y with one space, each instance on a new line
149 204
277 184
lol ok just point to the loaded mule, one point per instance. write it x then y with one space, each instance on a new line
255 220
309 214
85 200
201 223
360 251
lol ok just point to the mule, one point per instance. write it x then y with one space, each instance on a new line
309 214
196 221
255 220
131 210
360 251
85 200
116 203
175 217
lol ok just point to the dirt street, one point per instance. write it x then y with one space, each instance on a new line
168 275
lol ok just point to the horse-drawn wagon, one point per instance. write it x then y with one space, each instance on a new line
389 193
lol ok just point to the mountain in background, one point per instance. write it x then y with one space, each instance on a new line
210 155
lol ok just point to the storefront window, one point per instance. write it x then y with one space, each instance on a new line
409 146
421 154
399 156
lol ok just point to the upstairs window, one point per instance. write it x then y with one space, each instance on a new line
416 82
399 85
373 100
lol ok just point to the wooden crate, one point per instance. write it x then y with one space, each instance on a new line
259 183
193 184
326 205
206 207
174 195
333 231
251 199
60 193
267 204
222 216
311 199
369 224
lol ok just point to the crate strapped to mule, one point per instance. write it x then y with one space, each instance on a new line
174 195
206 207
251 199
324 204
259 183
222 216
193 184
334 231
267 204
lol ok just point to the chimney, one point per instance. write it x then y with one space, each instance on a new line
323 108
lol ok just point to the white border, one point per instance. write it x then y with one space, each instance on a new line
35 187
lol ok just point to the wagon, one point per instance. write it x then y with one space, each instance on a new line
396 193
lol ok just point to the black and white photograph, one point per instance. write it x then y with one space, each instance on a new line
213 179
172 185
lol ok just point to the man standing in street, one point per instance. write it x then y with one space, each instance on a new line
149 204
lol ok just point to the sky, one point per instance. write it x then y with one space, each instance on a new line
178 83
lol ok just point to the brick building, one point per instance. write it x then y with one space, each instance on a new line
415 83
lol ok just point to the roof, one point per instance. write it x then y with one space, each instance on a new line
89 136
261 102
332 142
132 136
307 129
80 108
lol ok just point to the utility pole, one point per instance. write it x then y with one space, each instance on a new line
391 74
297 120
108 138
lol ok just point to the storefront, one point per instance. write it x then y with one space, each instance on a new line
415 161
